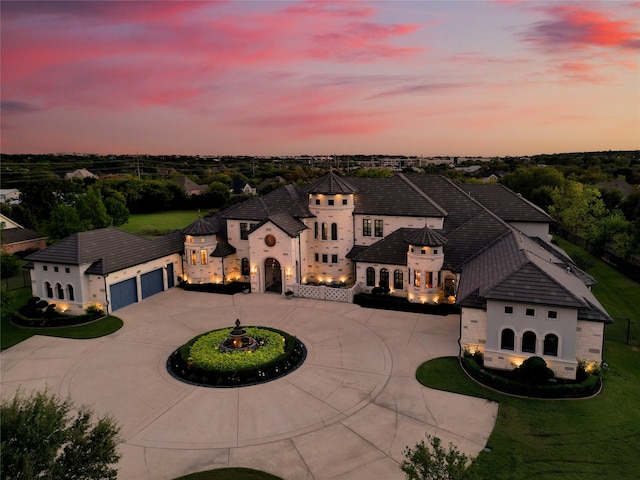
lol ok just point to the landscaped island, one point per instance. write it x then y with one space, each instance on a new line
236 357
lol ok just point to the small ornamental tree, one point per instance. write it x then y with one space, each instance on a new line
46 437
433 462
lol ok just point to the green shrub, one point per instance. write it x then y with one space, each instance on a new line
534 371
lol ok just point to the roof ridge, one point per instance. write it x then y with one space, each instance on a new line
420 192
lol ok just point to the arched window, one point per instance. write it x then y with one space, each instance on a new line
315 230
398 280
529 342
59 291
47 287
324 230
371 277
334 231
507 339
384 278
245 267
551 344
70 293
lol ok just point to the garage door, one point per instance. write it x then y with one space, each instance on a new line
123 293
151 283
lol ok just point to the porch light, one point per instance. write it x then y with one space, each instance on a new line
254 269
288 273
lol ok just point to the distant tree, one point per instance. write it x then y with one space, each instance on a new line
534 183
91 209
46 437
116 206
10 265
216 196
577 207
433 462
374 173
64 221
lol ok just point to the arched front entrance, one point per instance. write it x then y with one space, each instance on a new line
272 276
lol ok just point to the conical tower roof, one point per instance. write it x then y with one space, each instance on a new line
425 237
203 226
332 184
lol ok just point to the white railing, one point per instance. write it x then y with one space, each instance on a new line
323 292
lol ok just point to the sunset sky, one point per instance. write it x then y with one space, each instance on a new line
286 78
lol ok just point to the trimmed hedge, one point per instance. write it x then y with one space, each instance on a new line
59 320
228 289
501 382
180 367
389 302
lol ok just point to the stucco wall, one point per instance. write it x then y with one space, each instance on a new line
284 251
589 338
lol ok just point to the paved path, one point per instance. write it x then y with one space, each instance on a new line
347 413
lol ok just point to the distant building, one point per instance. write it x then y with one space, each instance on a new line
9 196
80 173
16 238
240 187
190 187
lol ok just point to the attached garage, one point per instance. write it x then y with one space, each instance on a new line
151 283
123 293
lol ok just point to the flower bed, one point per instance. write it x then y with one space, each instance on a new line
200 361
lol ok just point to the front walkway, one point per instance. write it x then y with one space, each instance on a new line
347 413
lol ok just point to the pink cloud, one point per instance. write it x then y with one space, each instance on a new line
574 26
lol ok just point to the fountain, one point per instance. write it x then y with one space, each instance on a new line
238 340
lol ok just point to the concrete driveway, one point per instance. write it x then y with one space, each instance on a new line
347 413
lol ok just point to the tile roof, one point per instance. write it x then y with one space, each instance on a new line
204 226
390 250
332 184
516 269
223 249
394 197
108 250
505 203
426 237
284 222
17 235
289 198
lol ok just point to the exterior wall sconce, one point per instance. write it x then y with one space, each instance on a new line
254 269
288 273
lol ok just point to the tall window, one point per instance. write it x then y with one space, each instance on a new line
203 257
384 278
334 231
70 293
366 227
378 224
244 231
325 230
47 287
371 277
429 280
507 339
194 257
529 342
551 344
315 230
244 269
416 278
334 258
398 280
60 291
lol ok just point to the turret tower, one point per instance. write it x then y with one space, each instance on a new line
425 259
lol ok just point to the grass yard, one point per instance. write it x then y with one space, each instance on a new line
590 439
230 474
11 334
156 224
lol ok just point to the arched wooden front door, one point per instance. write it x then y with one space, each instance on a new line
272 276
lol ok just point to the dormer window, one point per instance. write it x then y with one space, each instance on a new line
435 251
330 202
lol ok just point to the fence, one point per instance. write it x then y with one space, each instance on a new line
627 267
22 279
323 292
623 330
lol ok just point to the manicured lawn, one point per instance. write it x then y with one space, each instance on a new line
230 474
586 439
154 224
557 439
618 294
11 334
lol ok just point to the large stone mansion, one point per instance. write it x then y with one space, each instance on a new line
422 237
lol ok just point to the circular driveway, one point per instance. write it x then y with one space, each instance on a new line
347 413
